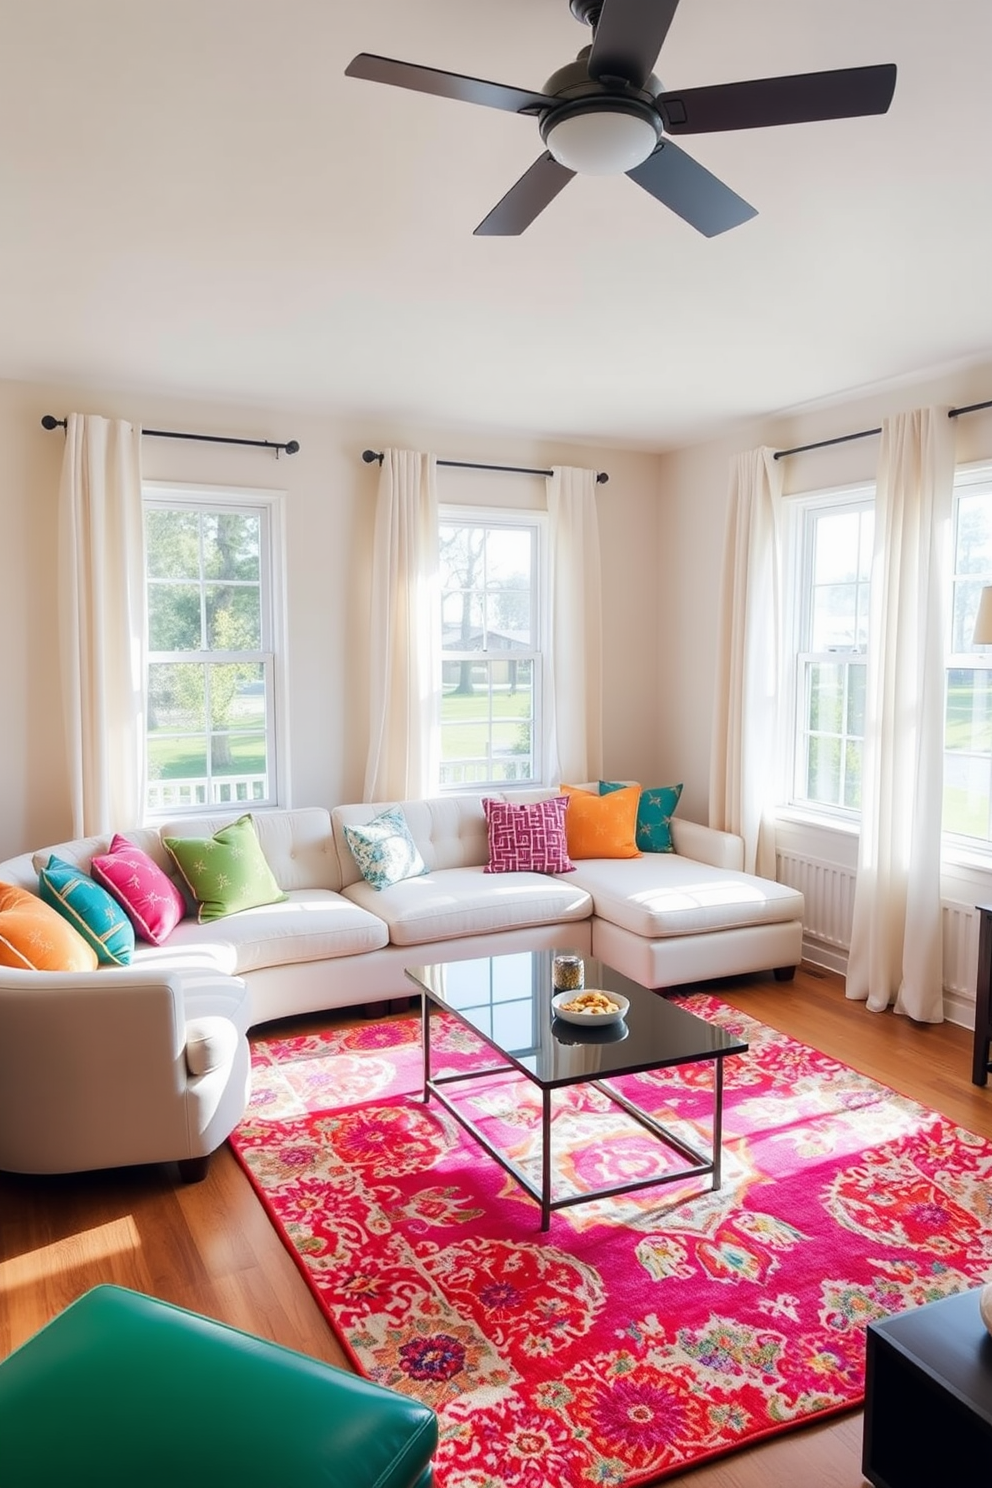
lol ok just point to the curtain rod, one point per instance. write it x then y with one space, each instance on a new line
291 446
369 456
801 449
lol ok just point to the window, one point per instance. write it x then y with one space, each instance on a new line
211 720
491 659
833 564
968 710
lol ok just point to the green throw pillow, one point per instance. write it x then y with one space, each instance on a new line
89 909
225 872
655 810
384 850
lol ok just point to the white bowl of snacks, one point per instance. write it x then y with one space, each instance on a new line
591 1008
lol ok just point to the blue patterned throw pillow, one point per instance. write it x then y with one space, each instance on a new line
655 810
90 910
384 850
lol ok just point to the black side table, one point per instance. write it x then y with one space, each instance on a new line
928 1397
980 1065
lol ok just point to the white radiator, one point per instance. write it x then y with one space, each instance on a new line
828 889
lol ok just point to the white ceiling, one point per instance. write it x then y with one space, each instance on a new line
194 199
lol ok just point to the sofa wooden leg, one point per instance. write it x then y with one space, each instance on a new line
194 1169
784 973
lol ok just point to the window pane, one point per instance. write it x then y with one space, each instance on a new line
462 621
826 698
837 555
230 546
823 771
966 795
835 617
508 620
174 617
974 534
968 724
176 698
178 759
234 618
852 774
508 557
172 544
239 754
857 673
967 593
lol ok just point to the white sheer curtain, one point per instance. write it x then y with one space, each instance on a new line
574 694
744 765
102 622
896 936
405 683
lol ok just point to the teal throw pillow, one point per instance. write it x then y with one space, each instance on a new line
90 910
226 872
655 810
384 850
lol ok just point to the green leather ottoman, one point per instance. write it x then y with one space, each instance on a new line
121 1389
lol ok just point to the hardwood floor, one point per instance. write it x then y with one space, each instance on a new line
210 1247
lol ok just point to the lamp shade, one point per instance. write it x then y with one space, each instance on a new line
983 620
602 142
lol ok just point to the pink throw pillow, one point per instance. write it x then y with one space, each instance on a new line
148 896
529 837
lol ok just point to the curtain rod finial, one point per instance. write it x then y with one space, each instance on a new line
51 422
292 447
370 456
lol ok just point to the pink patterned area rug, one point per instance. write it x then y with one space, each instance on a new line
640 1335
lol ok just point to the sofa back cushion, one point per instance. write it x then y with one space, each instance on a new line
297 844
449 831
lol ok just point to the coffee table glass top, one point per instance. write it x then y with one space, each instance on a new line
507 999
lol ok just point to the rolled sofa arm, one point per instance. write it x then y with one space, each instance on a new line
94 1070
707 844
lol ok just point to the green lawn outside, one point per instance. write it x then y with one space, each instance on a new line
184 759
464 719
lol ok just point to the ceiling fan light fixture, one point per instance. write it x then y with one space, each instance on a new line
604 140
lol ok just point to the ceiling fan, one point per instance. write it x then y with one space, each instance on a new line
607 114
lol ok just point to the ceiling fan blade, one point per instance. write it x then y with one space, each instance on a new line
688 188
446 84
628 38
842 94
526 200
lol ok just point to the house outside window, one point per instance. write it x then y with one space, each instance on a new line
833 540
212 563
491 647
968 711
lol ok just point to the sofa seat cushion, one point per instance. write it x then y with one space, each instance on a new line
663 894
452 902
308 925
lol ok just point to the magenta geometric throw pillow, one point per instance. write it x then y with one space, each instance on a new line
527 838
148 896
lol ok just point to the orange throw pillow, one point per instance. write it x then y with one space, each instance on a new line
35 937
602 826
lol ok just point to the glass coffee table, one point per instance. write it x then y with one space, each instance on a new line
506 1000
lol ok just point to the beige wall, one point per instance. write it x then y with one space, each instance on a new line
693 507
330 497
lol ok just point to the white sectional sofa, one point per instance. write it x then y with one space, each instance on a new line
150 1062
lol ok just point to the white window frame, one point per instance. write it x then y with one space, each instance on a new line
269 505
453 515
802 512
968 480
